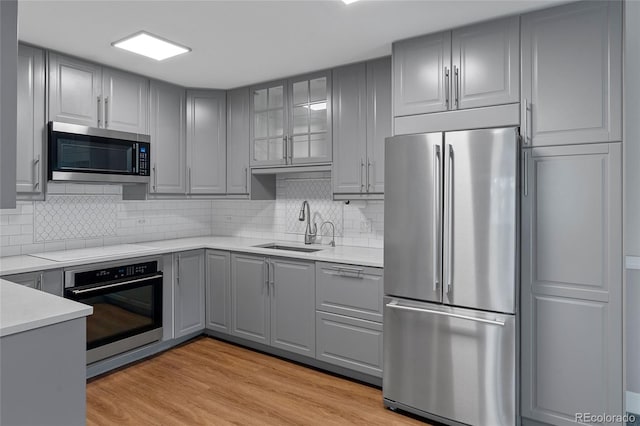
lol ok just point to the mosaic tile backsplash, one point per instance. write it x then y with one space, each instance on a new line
78 216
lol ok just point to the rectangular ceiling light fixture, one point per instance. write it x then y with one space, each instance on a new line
151 46
349 1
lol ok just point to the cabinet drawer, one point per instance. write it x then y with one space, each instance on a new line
349 290
349 342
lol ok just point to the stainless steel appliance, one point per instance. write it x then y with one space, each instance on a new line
127 305
87 154
450 251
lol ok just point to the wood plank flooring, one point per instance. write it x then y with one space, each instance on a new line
209 382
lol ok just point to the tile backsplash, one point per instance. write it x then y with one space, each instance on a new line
78 216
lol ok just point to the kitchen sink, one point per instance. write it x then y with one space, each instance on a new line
290 248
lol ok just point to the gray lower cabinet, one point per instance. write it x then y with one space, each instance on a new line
572 74
361 122
49 281
272 302
218 291
571 297
206 142
30 172
168 138
349 316
238 141
189 292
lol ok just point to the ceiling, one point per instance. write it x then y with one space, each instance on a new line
241 42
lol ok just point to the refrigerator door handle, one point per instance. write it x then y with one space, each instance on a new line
395 305
450 221
436 212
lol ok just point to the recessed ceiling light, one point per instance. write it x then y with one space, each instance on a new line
349 1
151 46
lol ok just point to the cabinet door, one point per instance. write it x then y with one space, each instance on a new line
31 120
486 64
249 298
268 124
349 129
75 91
379 118
206 142
218 291
571 282
189 292
126 101
47 281
293 292
309 137
168 145
420 69
571 76
238 119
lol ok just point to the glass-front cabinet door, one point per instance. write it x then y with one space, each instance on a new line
269 124
291 121
310 130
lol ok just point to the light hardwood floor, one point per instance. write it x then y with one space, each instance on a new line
209 382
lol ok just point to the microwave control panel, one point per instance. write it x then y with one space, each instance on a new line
143 159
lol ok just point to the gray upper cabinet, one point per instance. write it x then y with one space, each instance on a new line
31 121
168 143
571 282
422 74
48 281
218 291
469 67
238 142
75 91
361 122
87 94
189 292
572 74
486 64
293 323
126 101
249 298
291 121
206 142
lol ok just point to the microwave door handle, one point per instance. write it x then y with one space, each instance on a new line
84 290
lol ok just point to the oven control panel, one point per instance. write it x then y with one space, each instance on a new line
115 273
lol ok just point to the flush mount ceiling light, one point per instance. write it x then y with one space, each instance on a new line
349 1
150 46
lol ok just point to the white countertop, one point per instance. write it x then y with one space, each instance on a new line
362 256
23 309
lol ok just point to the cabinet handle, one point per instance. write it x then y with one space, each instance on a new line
246 180
369 164
525 173
285 148
525 136
99 112
106 112
178 270
190 179
457 83
450 221
155 178
36 165
39 281
267 275
446 87
272 270
436 212
348 272
361 172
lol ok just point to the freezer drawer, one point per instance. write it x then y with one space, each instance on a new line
349 342
454 363
349 290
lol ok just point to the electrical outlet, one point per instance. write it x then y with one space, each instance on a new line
142 221
228 218
366 225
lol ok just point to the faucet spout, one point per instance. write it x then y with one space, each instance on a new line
309 233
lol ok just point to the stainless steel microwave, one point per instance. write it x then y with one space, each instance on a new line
87 154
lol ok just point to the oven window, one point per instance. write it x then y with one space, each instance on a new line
83 153
122 312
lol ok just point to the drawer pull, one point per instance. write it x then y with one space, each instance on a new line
346 271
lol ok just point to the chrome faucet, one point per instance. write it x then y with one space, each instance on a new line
333 232
309 235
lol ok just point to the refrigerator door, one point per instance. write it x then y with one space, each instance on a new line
450 363
413 216
480 232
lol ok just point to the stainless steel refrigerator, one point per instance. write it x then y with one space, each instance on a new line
450 268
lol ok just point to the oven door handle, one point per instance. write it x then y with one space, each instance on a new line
79 291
